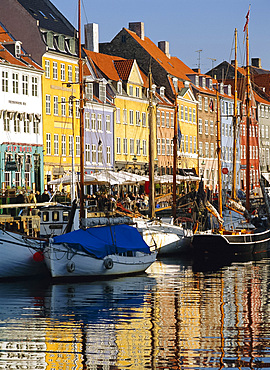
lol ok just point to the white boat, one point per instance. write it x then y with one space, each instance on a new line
98 251
163 237
20 255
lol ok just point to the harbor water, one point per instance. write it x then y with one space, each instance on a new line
181 314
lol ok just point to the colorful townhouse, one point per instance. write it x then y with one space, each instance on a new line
131 132
205 95
51 40
21 144
169 73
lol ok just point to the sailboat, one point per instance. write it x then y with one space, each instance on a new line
167 239
241 240
96 251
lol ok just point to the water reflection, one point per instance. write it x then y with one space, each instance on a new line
173 317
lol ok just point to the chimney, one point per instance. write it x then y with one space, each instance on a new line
91 37
138 28
256 62
164 46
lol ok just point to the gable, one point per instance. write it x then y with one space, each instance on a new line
135 75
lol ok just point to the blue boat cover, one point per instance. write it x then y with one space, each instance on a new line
104 240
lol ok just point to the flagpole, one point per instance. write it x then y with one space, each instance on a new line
174 157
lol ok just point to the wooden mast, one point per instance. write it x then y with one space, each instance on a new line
175 156
81 116
235 118
248 122
151 151
219 156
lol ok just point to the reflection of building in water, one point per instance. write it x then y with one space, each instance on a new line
25 347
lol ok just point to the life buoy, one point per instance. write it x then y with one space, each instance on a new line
108 263
70 266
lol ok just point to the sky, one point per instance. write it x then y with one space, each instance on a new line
188 25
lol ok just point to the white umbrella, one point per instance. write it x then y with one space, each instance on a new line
129 178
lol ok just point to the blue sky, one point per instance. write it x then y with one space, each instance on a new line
188 25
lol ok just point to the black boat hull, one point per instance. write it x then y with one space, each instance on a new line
219 244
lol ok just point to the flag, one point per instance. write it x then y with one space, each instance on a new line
211 105
179 135
247 19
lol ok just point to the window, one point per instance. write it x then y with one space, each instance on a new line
77 108
211 128
131 119
194 145
94 153
190 115
143 119
158 118
163 147
206 104
70 74
36 126
125 146
200 102
119 87
182 112
144 147
63 72
186 114
16 124
190 144
63 106
206 127
87 121
194 115
200 149
77 79
207 150
131 90
212 150
158 147
56 144
102 92
137 92
163 119
48 104
167 119
47 68
93 121
124 116
6 124
200 126
48 144
138 147
25 85
64 148
168 146
55 70
15 83
186 144
4 81
100 149
172 121
87 152
118 145
26 126
34 86
131 146
70 145
138 118
55 105
77 146
89 91
99 122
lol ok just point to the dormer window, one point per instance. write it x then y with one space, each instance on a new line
162 91
154 89
229 90
203 82
71 45
175 84
119 87
221 87
50 39
210 83
89 91
197 80
18 49
137 92
102 92
61 42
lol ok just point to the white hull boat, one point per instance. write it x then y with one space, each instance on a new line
98 251
167 239
20 256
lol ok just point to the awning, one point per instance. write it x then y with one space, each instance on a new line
266 175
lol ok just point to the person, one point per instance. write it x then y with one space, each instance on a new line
38 196
45 196
32 197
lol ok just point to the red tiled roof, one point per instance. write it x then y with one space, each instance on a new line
173 65
123 68
259 99
105 63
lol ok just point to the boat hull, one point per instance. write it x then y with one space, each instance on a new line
17 256
231 244
63 261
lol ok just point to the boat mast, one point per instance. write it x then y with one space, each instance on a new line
219 156
235 118
248 123
174 156
81 116
151 151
